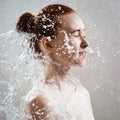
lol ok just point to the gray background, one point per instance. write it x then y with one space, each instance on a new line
102 21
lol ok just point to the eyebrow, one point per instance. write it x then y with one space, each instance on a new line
79 30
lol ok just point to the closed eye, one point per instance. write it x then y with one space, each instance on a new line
76 33
84 36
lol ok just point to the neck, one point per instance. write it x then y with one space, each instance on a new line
55 73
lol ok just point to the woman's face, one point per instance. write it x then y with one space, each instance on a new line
70 43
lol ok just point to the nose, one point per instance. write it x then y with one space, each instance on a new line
84 44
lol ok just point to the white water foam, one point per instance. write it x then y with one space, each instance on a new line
19 71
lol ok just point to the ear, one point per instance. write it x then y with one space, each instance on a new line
46 46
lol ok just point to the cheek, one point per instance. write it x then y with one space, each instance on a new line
75 44
66 50
67 47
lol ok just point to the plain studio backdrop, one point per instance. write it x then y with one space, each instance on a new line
101 75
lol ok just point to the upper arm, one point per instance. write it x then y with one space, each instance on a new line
38 108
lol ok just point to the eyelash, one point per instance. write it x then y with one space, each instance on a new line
78 34
84 36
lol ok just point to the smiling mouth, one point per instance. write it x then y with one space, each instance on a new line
83 53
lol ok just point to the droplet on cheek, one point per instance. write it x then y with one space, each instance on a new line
69 56
63 52
58 54
69 47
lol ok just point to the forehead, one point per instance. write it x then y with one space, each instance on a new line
72 22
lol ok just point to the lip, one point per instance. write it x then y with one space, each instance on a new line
83 53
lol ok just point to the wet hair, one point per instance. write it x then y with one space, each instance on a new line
44 24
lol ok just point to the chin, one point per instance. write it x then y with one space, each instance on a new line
79 63
82 64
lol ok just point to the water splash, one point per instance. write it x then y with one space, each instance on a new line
91 51
19 71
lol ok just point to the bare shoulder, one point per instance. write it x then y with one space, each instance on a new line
37 106
85 91
87 99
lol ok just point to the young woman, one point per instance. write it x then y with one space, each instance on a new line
59 35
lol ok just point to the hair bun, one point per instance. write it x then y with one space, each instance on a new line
25 23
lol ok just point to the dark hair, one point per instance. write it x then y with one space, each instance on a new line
44 24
